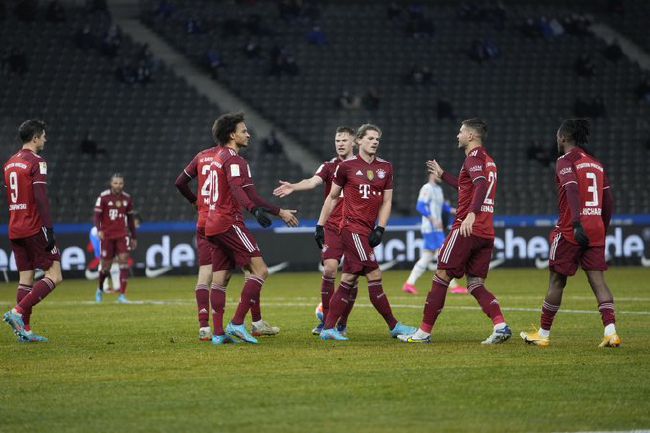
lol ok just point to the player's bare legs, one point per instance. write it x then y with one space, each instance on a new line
202 294
40 290
605 306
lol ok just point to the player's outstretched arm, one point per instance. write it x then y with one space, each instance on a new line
287 188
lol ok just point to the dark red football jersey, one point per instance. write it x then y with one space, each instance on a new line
224 209
363 191
112 210
199 168
326 172
23 170
588 173
478 164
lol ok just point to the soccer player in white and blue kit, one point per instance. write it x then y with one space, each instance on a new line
431 204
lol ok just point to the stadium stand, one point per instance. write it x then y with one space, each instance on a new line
150 130
521 96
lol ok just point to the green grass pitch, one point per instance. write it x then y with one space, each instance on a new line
141 368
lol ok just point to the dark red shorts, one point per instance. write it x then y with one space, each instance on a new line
114 247
462 255
564 256
30 253
203 247
359 255
233 248
333 247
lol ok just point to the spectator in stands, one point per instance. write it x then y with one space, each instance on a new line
545 28
556 28
193 26
577 24
252 48
584 66
143 73
125 73
55 12
84 38
419 75
112 41
17 62
349 101
165 9
282 62
214 61
643 90
291 67
90 147
613 51
482 50
445 110
271 144
371 99
26 10
317 36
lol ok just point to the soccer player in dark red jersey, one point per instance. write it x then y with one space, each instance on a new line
117 233
328 237
468 247
586 206
367 185
231 188
199 168
30 228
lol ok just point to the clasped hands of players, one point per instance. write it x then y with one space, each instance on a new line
287 216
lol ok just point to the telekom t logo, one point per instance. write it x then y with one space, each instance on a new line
364 190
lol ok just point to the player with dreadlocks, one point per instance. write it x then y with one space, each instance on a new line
586 207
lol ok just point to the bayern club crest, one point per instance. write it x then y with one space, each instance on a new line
371 256
325 247
381 173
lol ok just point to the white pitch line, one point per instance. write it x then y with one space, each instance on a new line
183 302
